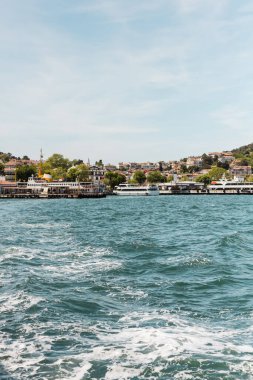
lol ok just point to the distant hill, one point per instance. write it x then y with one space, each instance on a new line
5 157
246 150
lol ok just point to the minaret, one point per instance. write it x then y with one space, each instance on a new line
40 175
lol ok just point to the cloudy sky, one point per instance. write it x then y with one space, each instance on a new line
125 80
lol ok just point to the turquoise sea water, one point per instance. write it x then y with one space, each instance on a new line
127 288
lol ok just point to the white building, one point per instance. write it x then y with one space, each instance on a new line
194 161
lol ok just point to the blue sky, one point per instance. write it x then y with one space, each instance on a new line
125 80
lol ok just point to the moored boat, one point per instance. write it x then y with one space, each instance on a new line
131 189
235 186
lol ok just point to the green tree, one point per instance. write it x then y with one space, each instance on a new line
224 165
99 163
207 161
78 172
113 179
249 178
46 168
5 157
72 174
204 178
82 173
183 169
244 162
25 171
139 177
76 162
58 161
160 166
155 177
216 173
58 173
1 168
170 178
193 169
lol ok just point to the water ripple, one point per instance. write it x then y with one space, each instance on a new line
133 288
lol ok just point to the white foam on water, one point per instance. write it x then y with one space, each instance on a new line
15 252
141 340
81 268
183 375
128 292
78 373
245 367
136 342
195 259
19 301
117 371
85 262
45 225
23 354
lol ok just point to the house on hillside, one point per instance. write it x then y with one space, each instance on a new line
226 157
241 171
194 161
11 166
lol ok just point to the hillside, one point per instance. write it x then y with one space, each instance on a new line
246 150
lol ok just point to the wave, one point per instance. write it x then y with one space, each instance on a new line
140 345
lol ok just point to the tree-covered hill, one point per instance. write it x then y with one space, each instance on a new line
246 150
244 154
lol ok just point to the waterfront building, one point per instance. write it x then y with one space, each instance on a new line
96 174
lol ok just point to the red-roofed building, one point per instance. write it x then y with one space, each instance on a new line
11 166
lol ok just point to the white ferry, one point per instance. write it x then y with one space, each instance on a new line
236 186
130 189
44 187
39 184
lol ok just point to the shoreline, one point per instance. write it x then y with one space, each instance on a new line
99 196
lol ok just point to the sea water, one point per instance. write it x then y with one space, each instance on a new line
127 288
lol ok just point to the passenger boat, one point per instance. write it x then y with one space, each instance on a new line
40 184
235 186
44 188
131 189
